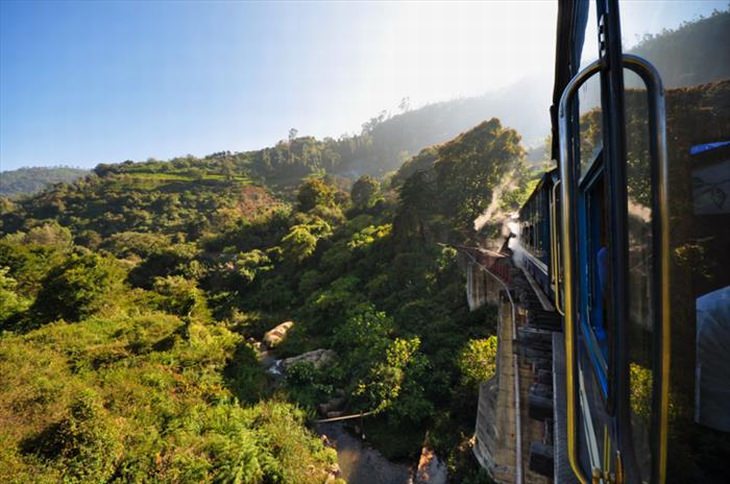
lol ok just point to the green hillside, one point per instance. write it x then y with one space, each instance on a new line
131 301
27 181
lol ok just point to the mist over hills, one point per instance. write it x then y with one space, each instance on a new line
384 143
522 106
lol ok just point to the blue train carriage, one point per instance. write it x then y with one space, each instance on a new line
642 251
536 233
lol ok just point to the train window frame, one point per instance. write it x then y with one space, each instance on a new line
600 362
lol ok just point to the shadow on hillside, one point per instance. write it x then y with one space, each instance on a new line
244 376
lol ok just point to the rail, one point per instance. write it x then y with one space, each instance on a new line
345 417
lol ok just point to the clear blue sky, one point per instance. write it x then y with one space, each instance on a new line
88 82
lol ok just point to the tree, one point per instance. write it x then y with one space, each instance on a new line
293 134
471 166
417 195
388 379
364 191
11 303
478 361
301 240
181 296
126 244
78 288
250 264
405 104
313 192
177 259
228 169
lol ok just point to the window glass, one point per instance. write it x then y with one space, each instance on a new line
687 43
590 41
641 318
591 122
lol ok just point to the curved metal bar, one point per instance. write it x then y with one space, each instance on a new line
660 205
567 176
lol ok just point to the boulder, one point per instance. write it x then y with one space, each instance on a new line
333 474
334 404
431 469
277 335
318 358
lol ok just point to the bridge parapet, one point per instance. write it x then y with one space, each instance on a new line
481 288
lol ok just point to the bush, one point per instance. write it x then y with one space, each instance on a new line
86 442
78 288
478 361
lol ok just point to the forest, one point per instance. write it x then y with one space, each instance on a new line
133 302
27 181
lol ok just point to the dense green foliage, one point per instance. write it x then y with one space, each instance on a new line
477 360
27 181
127 398
129 300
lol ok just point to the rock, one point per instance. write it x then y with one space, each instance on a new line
431 469
333 404
333 473
277 335
318 358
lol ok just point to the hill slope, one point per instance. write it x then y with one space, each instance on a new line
131 300
27 181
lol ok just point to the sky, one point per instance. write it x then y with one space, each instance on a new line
83 83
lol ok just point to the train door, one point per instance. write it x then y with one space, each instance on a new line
690 56
645 188
600 287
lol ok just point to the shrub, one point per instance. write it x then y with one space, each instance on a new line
78 288
478 360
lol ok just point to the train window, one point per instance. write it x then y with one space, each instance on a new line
598 264
593 249
687 43
640 313
590 123
594 253
536 227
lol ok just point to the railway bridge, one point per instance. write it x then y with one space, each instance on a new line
514 432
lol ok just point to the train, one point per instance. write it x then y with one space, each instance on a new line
628 237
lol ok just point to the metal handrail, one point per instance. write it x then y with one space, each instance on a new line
660 205
568 246
660 175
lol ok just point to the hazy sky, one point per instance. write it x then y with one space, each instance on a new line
88 82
